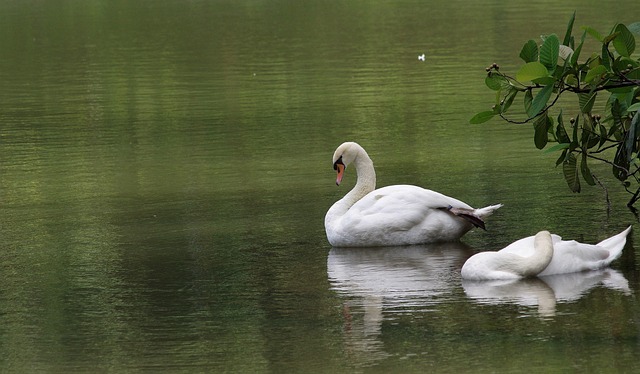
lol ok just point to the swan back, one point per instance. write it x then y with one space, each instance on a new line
508 265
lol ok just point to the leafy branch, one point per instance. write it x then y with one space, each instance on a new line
553 69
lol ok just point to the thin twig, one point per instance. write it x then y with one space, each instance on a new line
606 193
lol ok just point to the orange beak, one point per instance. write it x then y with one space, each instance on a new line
340 168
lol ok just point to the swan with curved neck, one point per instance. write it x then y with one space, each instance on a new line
393 215
523 257
506 265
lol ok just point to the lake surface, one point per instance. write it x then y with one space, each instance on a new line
165 168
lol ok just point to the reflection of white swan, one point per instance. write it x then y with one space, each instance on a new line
393 215
376 283
544 292
404 276
509 265
569 256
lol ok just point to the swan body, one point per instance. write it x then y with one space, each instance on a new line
510 265
569 256
393 215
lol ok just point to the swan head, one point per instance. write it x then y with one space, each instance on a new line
344 155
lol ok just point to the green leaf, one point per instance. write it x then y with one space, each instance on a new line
586 101
633 108
593 140
529 52
605 56
620 164
561 132
508 99
594 73
549 52
591 31
557 147
494 81
576 53
541 129
587 129
545 81
530 71
570 171
603 135
482 117
562 157
541 99
618 90
632 137
626 98
576 124
567 35
624 43
528 99
586 173
617 113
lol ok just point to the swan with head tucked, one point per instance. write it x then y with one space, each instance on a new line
393 215
567 256
508 265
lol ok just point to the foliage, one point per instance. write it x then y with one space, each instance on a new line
554 68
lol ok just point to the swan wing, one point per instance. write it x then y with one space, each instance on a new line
571 256
408 195
399 207
573 250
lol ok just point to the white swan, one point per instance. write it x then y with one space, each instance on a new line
510 265
569 256
393 215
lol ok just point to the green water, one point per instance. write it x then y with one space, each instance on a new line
165 168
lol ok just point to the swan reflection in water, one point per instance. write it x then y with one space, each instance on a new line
378 283
544 292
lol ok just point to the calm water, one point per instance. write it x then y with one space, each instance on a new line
165 168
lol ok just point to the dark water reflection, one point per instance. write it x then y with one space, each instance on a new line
165 170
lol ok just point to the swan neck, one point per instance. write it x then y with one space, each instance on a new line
366 181
366 178
543 253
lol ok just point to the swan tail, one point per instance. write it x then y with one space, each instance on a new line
477 222
486 211
469 215
615 244
474 216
